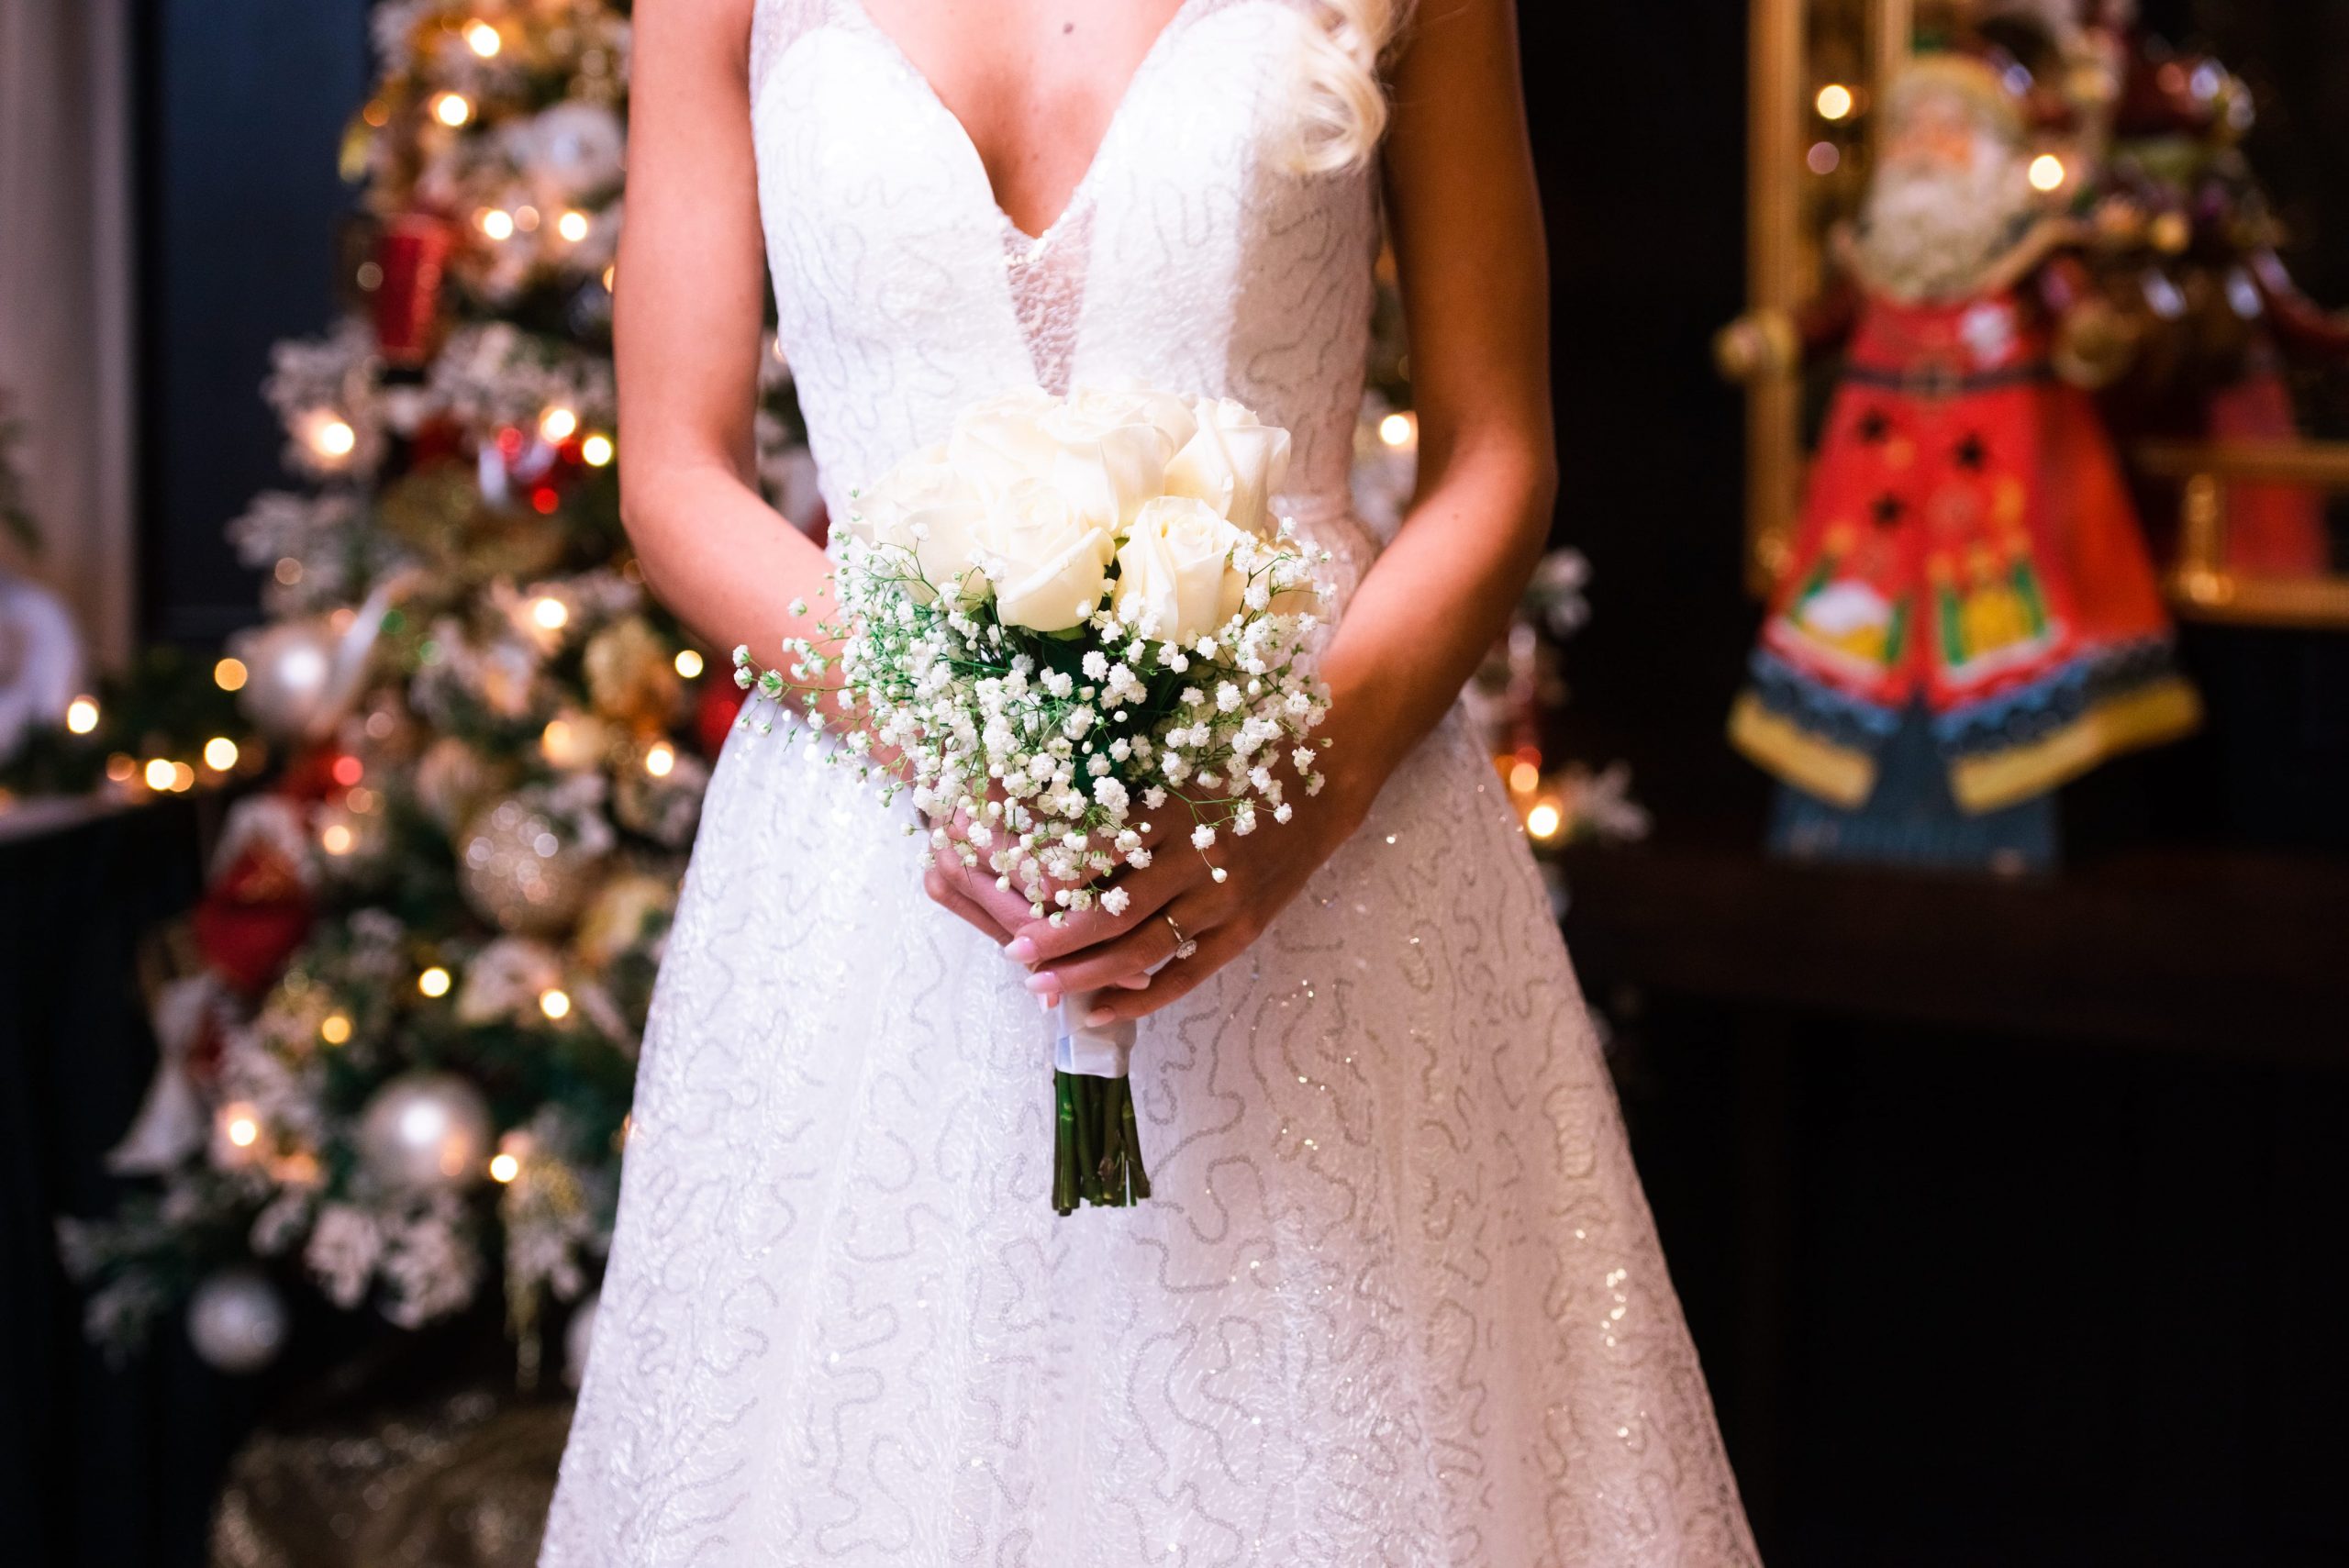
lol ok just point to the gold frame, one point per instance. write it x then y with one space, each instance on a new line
1777 106
2201 585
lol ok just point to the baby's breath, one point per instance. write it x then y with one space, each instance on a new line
1035 755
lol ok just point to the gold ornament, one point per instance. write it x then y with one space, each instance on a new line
630 676
453 779
525 868
628 911
442 514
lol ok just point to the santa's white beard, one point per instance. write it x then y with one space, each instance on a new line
1931 234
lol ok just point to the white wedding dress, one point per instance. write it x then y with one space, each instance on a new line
1398 1300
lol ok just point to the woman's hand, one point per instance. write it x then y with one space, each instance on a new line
1184 920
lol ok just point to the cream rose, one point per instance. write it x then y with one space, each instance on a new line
1110 448
1176 579
1049 562
928 506
1000 441
1234 462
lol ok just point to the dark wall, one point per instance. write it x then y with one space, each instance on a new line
242 105
1638 116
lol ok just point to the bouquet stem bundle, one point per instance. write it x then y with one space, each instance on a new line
1096 1153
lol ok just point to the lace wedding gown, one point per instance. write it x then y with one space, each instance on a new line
1398 1300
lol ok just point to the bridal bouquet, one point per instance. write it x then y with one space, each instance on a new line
1075 632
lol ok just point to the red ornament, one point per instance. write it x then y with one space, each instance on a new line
411 255
713 714
252 917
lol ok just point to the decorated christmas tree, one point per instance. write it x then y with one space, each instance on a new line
399 1059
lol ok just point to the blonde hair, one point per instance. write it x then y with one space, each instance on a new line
1342 100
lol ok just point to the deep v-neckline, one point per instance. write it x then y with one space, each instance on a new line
1078 191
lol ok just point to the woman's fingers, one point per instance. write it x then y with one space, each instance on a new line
1177 979
942 890
1002 910
1148 891
1111 963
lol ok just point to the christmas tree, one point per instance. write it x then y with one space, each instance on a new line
399 1063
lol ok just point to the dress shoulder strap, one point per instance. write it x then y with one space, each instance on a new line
775 24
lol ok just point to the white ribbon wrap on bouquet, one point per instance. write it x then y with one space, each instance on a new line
1104 1052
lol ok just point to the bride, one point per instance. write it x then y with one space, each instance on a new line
1398 1300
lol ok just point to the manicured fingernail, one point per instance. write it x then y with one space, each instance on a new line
1046 1004
1020 950
1044 981
1097 1017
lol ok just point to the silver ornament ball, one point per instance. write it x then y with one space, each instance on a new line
237 1320
290 674
424 1129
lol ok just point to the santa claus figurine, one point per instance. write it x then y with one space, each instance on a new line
1967 617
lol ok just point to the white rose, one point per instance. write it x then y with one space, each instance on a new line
1176 579
999 442
1235 464
1050 562
1110 448
926 507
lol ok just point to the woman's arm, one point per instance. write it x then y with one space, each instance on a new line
1466 222
687 335
1467 229
692 273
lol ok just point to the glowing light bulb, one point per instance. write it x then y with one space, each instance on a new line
219 753
122 769
499 224
1824 158
1545 820
337 839
659 759
183 778
240 1124
229 674
571 226
550 613
159 773
2047 173
82 715
483 39
433 982
504 1167
452 109
348 770
334 437
335 1029
688 664
1523 777
1835 101
1399 430
598 452
555 1005
558 425
288 571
